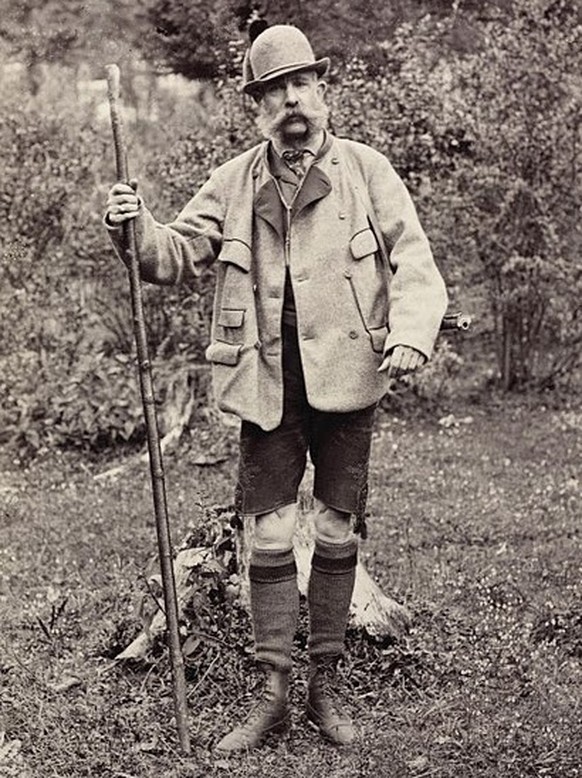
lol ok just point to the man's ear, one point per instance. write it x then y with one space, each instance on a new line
321 88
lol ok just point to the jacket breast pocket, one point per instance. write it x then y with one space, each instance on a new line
363 244
235 279
230 325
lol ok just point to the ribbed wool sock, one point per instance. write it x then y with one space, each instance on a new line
274 605
329 594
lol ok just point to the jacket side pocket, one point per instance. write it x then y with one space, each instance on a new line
366 277
378 338
223 353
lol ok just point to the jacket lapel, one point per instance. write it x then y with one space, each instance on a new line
267 204
267 201
315 187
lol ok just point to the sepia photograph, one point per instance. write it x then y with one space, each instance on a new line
290 389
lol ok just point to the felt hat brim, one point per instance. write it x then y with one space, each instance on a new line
321 66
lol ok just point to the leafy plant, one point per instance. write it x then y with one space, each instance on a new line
486 138
522 187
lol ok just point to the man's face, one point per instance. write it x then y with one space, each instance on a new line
292 108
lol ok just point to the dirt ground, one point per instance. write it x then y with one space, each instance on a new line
474 525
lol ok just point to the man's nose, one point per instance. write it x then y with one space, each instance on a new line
291 97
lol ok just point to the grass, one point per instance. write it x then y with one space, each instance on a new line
475 525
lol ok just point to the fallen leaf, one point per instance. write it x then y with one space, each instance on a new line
419 763
204 460
9 750
190 645
68 682
149 745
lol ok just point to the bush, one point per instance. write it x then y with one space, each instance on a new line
486 141
516 199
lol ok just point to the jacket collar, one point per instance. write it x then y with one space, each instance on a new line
267 202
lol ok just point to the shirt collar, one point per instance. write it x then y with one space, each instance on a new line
314 148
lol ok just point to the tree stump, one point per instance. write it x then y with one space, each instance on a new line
372 610
377 614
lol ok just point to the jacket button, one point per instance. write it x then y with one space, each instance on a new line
334 161
341 215
353 334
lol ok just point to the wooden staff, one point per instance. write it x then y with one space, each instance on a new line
153 437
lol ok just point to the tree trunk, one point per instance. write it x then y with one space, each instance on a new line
34 75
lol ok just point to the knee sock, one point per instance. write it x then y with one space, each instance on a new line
274 605
329 594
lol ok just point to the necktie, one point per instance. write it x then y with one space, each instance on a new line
296 160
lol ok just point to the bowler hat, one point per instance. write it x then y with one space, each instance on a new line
278 51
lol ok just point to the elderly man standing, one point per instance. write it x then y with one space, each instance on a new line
325 288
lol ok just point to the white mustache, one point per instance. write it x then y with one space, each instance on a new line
288 116
315 118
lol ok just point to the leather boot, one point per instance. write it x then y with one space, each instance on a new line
270 714
324 709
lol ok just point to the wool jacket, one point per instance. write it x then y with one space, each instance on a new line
352 305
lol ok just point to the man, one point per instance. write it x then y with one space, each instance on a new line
325 288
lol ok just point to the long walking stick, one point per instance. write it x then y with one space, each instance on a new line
153 438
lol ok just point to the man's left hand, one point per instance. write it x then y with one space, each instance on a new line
402 360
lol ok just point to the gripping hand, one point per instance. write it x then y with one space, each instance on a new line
122 203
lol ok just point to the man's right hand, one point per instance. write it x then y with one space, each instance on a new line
122 203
